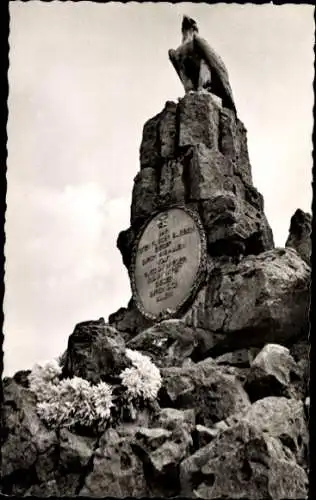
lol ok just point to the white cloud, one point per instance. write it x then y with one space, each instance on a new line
64 262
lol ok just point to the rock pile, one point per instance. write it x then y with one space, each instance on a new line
230 419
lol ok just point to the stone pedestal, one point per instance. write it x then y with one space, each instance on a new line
194 153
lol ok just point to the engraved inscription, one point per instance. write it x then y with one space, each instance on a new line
167 261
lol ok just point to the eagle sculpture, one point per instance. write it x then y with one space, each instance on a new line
199 67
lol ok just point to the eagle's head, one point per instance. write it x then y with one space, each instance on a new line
188 25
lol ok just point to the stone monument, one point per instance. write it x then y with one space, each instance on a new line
221 313
195 175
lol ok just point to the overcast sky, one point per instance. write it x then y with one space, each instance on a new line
84 77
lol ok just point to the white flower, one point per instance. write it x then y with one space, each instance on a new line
69 401
47 372
137 357
101 397
43 377
49 412
143 379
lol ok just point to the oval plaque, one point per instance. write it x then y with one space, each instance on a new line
168 262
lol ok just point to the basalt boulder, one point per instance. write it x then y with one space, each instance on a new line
29 449
214 392
300 234
274 372
116 470
171 343
262 299
128 321
162 457
96 351
243 462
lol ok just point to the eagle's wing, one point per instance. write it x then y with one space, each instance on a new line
176 57
173 59
216 64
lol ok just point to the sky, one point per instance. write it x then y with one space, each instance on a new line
83 79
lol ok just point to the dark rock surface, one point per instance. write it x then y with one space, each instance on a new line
203 435
264 298
116 469
129 321
124 243
29 451
170 342
275 372
75 451
96 351
240 357
172 418
282 418
144 199
162 457
212 390
215 442
21 377
243 462
300 235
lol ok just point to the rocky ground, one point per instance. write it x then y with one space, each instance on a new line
232 424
